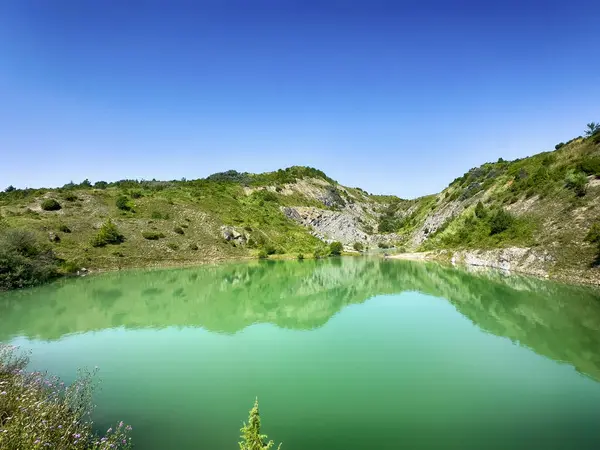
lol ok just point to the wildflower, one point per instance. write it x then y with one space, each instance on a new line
37 441
60 426
120 424
3 393
128 428
109 430
77 435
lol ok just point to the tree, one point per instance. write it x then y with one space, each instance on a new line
10 188
122 203
500 221
251 437
358 247
480 211
592 129
335 248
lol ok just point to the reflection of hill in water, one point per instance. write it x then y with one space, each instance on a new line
557 321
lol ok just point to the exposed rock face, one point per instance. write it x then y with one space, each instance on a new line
436 220
231 234
525 260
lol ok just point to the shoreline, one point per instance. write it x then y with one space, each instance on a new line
446 256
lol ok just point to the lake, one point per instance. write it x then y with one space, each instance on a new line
346 353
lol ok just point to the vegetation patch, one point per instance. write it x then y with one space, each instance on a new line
50 204
152 235
108 234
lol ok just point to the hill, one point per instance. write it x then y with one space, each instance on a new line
544 209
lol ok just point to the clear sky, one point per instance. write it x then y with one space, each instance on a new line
394 97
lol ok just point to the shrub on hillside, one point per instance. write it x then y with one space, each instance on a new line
193 247
50 204
24 261
100 185
70 197
173 246
593 235
64 228
178 230
559 146
122 202
152 235
108 234
10 188
358 247
577 182
480 211
336 248
500 221
262 254
136 194
590 165
38 411
383 245
159 215
300 257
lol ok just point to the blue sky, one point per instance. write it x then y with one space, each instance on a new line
394 97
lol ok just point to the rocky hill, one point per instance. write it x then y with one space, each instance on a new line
543 209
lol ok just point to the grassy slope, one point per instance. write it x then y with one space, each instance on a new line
547 212
199 208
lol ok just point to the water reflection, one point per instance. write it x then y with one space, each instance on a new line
557 321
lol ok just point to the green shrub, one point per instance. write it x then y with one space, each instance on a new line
193 247
252 439
300 257
359 247
559 146
184 225
270 249
122 202
336 248
593 235
64 228
24 261
590 165
480 211
70 266
383 245
262 254
152 235
159 215
50 204
108 234
136 194
100 185
70 197
178 230
500 221
577 182
44 413
173 246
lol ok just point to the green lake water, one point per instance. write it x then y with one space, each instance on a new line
350 353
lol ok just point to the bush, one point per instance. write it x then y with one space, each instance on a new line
300 257
100 185
262 254
70 197
136 194
559 145
23 261
108 234
10 188
64 228
178 230
270 249
336 248
159 215
593 235
500 221
193 247
44 413
152 235
577 182
383 245
358 247
252 439
173 246
70 266
590 165
50 205
122 203
480 211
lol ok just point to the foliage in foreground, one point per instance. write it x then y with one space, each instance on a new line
24 261
251 437
38 411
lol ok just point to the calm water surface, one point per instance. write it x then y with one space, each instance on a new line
343 354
